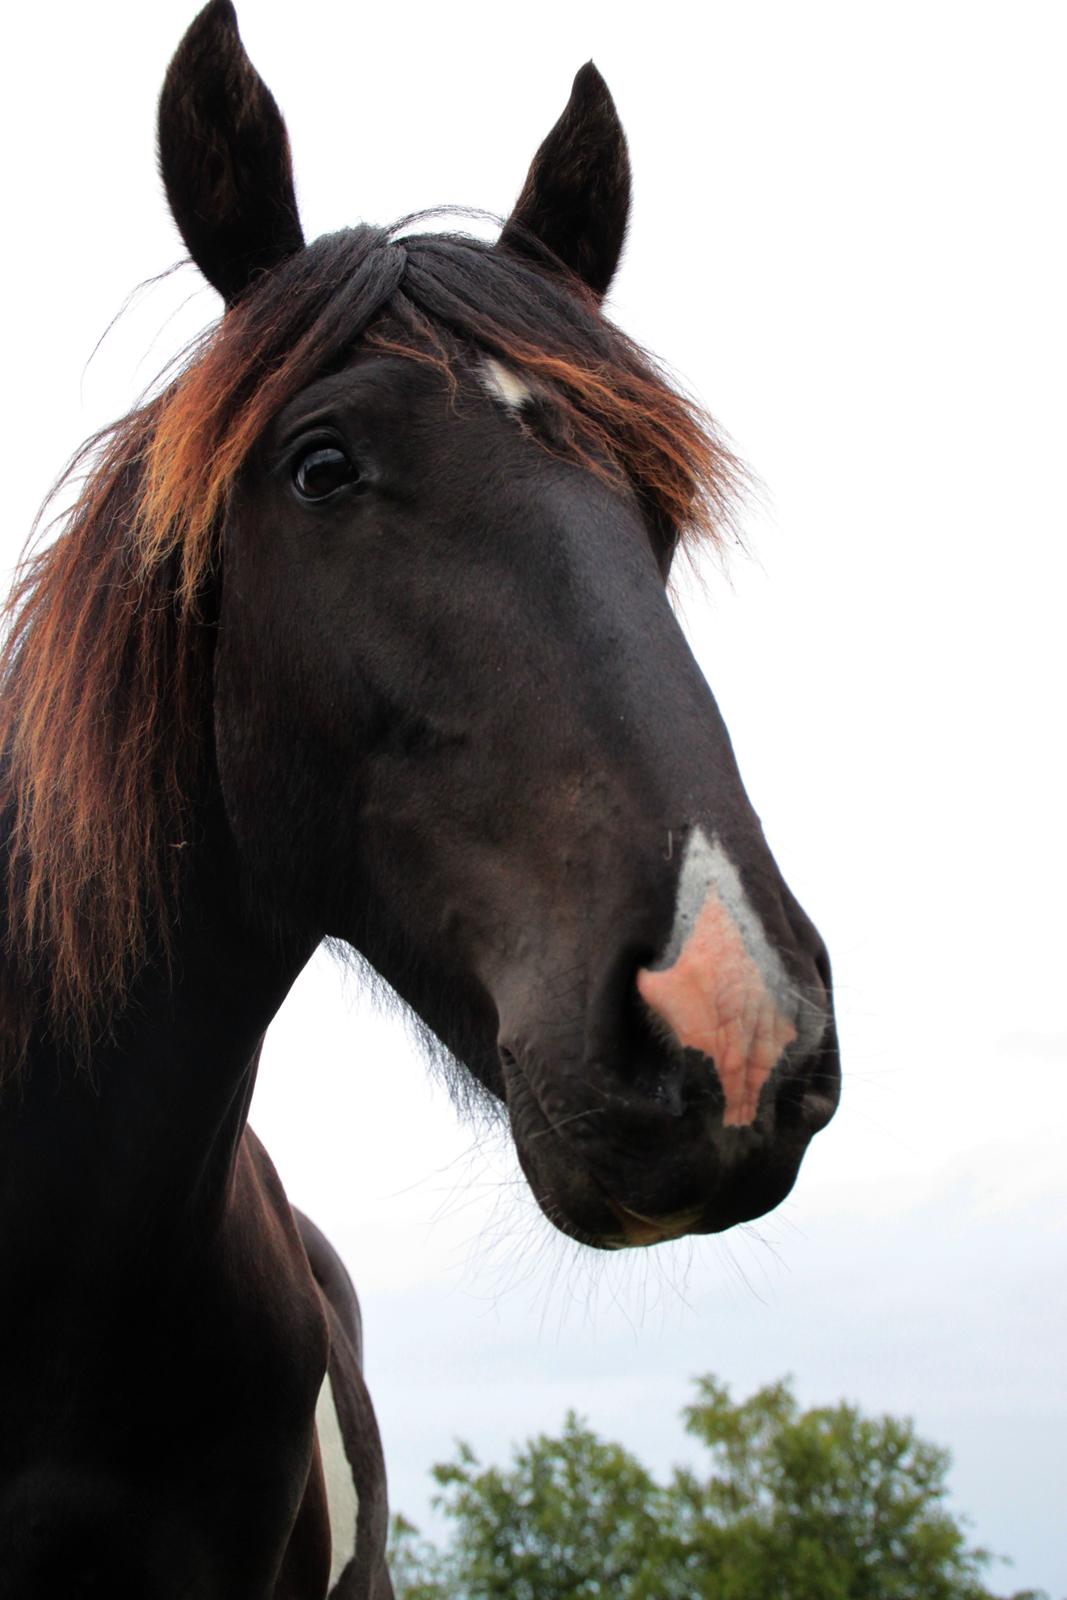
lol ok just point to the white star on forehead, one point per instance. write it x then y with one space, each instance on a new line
503 384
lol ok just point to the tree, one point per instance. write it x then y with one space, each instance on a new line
573 1518
825 1504
417 1569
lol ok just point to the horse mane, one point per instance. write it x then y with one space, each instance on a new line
105 670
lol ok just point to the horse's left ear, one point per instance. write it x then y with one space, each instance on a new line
224 156
576 198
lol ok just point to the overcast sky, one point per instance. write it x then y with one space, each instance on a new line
848 238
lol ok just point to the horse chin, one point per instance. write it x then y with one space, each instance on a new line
576 1202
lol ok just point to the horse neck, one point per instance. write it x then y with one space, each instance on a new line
151 1124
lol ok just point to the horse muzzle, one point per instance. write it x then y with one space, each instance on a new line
620 1157
681 1097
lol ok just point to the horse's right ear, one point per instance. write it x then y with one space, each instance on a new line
224 156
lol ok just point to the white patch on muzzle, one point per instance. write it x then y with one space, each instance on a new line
341 1498
707 867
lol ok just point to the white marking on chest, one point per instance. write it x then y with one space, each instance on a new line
341 1498
503 384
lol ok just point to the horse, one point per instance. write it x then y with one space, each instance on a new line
357 629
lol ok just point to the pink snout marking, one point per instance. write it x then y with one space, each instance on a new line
714 999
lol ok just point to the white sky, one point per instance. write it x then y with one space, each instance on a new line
848 238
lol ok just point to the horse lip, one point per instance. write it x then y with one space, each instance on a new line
635 1229
721 1208
640 1230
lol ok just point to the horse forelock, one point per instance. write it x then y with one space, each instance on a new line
105 670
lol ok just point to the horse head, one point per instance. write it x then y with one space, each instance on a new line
456 722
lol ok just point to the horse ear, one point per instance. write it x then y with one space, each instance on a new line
224 156
576 198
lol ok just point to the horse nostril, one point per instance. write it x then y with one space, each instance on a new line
671 1089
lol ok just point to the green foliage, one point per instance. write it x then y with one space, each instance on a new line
572 1517
826 1504
418 1570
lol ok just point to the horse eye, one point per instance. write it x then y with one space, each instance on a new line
322 471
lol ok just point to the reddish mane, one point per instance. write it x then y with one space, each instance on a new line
105 673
